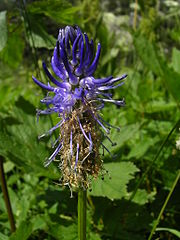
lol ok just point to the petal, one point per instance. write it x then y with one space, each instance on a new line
93 66
61 85
42 85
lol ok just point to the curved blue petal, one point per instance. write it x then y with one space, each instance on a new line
93 66
42 85
74 48
73 79
61 85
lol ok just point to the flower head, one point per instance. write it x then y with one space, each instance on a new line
77 99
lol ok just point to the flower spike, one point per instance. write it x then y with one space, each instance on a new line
77 98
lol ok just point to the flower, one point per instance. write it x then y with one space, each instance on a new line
77 98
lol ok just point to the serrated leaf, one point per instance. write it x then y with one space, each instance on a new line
142 197
116 187
3 30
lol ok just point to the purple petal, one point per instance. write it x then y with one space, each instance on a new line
93 66
61 85
74 48
42 85
102 81
104 88
73 79
78 71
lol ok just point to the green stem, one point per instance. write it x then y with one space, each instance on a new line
164 206
6 196
82 214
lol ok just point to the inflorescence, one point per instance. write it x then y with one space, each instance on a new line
77 98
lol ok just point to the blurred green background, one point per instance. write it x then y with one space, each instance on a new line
140 38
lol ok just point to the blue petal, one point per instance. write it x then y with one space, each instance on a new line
74 48
42 85
72 77
61 85
93 66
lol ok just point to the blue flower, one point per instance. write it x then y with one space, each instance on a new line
77 99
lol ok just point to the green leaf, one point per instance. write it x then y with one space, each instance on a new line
173 231
19 140
3 30
142 197
13 52
172 80
64 232
160 106
116 186
126 133
147 53
61 11
3 237
139 149
8 166
176 60
38 222
45 41
23 232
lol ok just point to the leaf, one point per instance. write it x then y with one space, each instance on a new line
138 150
13 52
126 133
64 232
173 231
61 11
19 141
160 106
23 232
38 222
8 166
3 237
142 197
147 53
172 80
176 60
116 187
45 41
150 58
3 30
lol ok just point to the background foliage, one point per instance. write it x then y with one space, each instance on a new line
141 38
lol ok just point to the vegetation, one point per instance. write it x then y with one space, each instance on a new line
140 192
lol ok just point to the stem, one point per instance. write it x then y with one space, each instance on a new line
164 206
135 15
82 214
6 196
